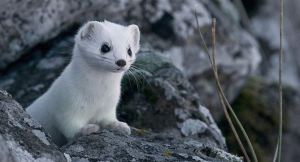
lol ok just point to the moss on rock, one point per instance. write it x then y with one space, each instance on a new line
257 108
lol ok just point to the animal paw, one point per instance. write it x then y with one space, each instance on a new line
88 129
120 127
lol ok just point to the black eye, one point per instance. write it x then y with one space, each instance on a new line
129 52
105 48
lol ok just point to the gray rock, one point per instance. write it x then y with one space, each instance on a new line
168 26
34 75
258 103
25 24
25 141
164 101
143 146
5 155
155 98
192 127
237 51
265 26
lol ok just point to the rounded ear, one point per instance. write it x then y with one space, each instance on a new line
135 32
87 31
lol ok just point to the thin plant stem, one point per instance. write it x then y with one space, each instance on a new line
240 126
277 155
213 31
280 77
220 91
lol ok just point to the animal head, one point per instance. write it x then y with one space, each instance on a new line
108 46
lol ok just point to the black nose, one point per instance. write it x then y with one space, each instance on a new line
121 63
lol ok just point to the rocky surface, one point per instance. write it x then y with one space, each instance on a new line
22 139
143 146
258 103
39 70
25 24
167 26
37 38
5 155
155 95
237 52
265 26
163 101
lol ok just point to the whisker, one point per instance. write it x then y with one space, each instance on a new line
141 70
139 77
141 74
106 58
131 74
129 79
136 80
106 61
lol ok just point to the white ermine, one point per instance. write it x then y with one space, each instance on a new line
84 97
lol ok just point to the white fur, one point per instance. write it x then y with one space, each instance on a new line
88 90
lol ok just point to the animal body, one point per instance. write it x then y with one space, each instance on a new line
83 99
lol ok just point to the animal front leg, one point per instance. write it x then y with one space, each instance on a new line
87 129
120 127
116 126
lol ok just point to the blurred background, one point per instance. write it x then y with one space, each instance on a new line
36 39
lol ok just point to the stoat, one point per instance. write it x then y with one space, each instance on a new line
83 99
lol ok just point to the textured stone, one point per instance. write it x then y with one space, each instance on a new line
155 97
25 142
265 27
164 102
143 146
163 99
258 103
5 155
168 26
24 24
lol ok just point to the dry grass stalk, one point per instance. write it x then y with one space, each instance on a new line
224 102
277 156
213 31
